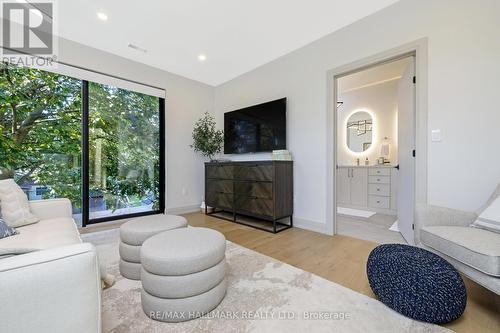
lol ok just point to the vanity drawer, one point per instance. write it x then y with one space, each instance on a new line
379 179
379 171
376 201
379 189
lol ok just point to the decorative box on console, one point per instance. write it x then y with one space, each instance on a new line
281 155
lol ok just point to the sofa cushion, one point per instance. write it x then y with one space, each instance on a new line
14 203
475 247
45 234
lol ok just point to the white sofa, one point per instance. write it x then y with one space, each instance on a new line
474 252
57 287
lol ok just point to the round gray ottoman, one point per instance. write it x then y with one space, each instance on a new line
183 273
134 232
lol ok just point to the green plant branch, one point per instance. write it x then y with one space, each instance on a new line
207 140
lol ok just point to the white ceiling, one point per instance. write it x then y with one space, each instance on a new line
375 75
235 35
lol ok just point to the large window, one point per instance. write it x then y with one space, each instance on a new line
124 131
61 140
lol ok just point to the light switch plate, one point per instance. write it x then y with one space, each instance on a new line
436 135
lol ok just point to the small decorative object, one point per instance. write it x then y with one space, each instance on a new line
385 149
209 209
281 155
207 140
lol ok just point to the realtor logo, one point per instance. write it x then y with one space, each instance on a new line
27 28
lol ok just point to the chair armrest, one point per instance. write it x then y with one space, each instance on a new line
51 291
52 208
427 215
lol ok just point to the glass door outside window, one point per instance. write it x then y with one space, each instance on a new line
124 152
63 137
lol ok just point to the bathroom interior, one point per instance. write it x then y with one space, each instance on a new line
368 132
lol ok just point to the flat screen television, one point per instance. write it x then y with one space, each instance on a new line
258 128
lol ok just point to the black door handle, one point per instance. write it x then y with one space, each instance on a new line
396 167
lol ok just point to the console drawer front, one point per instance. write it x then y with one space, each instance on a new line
260 190
376 201
263 207
219 171
255 172
220 200
219 186
379 189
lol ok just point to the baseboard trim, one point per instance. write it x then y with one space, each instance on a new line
297 221
310 225
183 209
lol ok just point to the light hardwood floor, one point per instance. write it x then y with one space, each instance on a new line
340 259
374 228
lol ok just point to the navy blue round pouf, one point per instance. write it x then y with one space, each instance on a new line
416 283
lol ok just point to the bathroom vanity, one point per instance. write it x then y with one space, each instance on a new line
371 188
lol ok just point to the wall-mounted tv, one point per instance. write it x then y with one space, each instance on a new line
258 128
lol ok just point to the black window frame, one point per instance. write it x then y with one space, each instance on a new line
86 167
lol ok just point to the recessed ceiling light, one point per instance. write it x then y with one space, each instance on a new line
102 16
202 57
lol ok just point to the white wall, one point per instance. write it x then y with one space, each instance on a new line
381 101
185 102
463 74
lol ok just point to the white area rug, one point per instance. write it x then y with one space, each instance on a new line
264 295
354 212
394 227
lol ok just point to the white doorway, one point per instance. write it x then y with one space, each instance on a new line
375 151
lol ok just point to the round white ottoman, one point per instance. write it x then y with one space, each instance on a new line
183 273
134 232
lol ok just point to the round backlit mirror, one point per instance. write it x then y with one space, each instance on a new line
359 131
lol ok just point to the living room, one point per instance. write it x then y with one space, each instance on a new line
141 120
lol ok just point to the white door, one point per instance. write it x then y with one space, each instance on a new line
406 146
359 187
343 186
